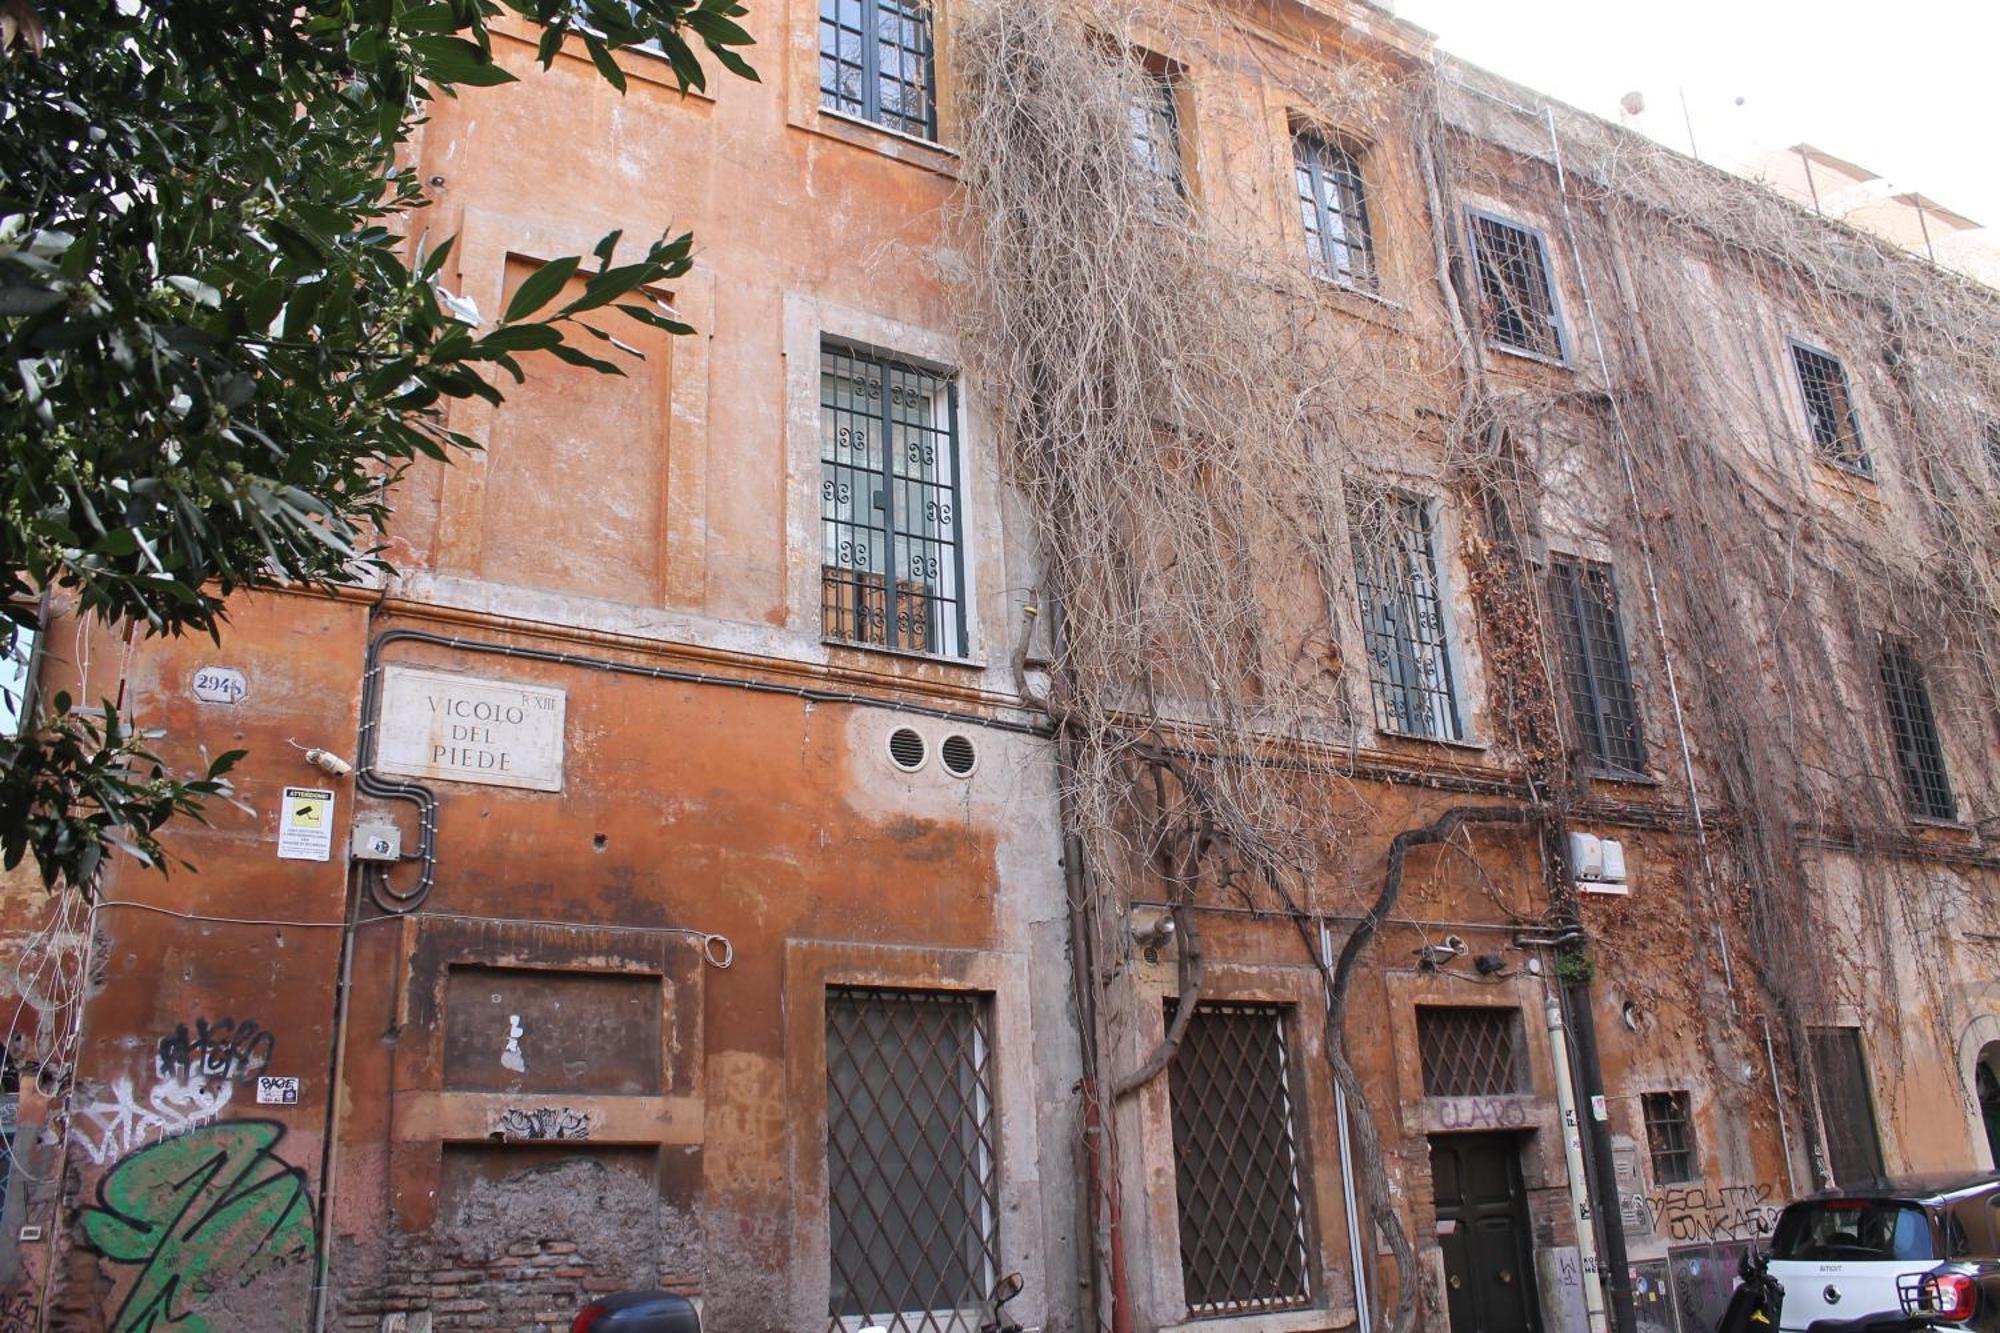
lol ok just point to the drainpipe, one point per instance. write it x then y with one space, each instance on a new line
1604 1174
1356 1259
1579 1189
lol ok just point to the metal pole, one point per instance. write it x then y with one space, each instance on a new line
1579 1188
1363 1320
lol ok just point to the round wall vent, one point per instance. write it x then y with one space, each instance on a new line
958 756
906 749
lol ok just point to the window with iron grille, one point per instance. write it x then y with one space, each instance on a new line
1670 1135
911 1144
1402 617
892 568
1830 415
1236 1162
876 62
1913 729
17 666
1334 208
1517 299
1846 1111
1153 114
1990 435
1596 666
1471 1050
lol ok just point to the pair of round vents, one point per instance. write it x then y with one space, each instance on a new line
908 750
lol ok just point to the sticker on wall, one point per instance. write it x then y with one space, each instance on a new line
220 685
274 1091
305 824
466 729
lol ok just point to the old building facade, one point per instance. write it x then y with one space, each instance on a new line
747 917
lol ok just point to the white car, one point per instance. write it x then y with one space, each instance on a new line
1839 1253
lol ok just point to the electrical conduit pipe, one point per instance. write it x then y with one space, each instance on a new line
1579 1187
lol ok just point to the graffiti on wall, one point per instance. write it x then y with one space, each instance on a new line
233 1050
121 1122
1715 1212
206 1211
540 1122
17 1310
1480 1112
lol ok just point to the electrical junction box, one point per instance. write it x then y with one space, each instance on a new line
1598 864
377 842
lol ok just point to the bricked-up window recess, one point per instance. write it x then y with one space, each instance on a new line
1236 1163
1471 1051
1596 666
1846 1111
1154 116
1670 1135
890 497
1830 415
876 62
1334 208
1402 617
1913 730
911 1146
1517 299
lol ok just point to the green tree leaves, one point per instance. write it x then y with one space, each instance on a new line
218 345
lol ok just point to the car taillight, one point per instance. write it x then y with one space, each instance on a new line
1953 1296
587 1318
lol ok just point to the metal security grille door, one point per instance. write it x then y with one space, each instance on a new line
1236 1163
1836 430
1913 729
1517 300
890 501
876 62
1402 618
912 1205
1595 664
1470 1051
1670 1136
1846 1111
1334 209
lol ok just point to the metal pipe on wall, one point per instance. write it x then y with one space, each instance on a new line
1617 1276
1579 1187
1356 1256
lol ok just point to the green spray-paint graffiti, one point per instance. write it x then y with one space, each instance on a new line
205 1211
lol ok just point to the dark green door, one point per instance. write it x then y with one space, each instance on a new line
1482 1227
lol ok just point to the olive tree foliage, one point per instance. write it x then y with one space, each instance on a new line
225 333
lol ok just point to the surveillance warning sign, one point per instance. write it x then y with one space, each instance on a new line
305 825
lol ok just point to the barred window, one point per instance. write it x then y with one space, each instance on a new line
1670 1135
1334 208
1402 617
1846 1111
17 678
876 62
911 1144
1236 1163
1595 664
1471 1050
1154 117
1517 299
1830 415
1990 436
892 569
1913 729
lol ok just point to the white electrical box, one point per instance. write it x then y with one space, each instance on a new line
1598 864
377 842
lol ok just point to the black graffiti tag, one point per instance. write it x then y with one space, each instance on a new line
230 1048
1718 1213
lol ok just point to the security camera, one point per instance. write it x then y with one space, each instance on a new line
1437 955
1152 928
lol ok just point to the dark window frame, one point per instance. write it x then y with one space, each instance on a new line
1406 628
862 1230
1340 238
1914 738
1597 665
926 562
1219 1255
1815 368
908 21
1159 116
1498 300
1669 1120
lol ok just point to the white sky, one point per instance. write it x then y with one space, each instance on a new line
1906 89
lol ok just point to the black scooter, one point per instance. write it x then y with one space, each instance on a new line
1758 1299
